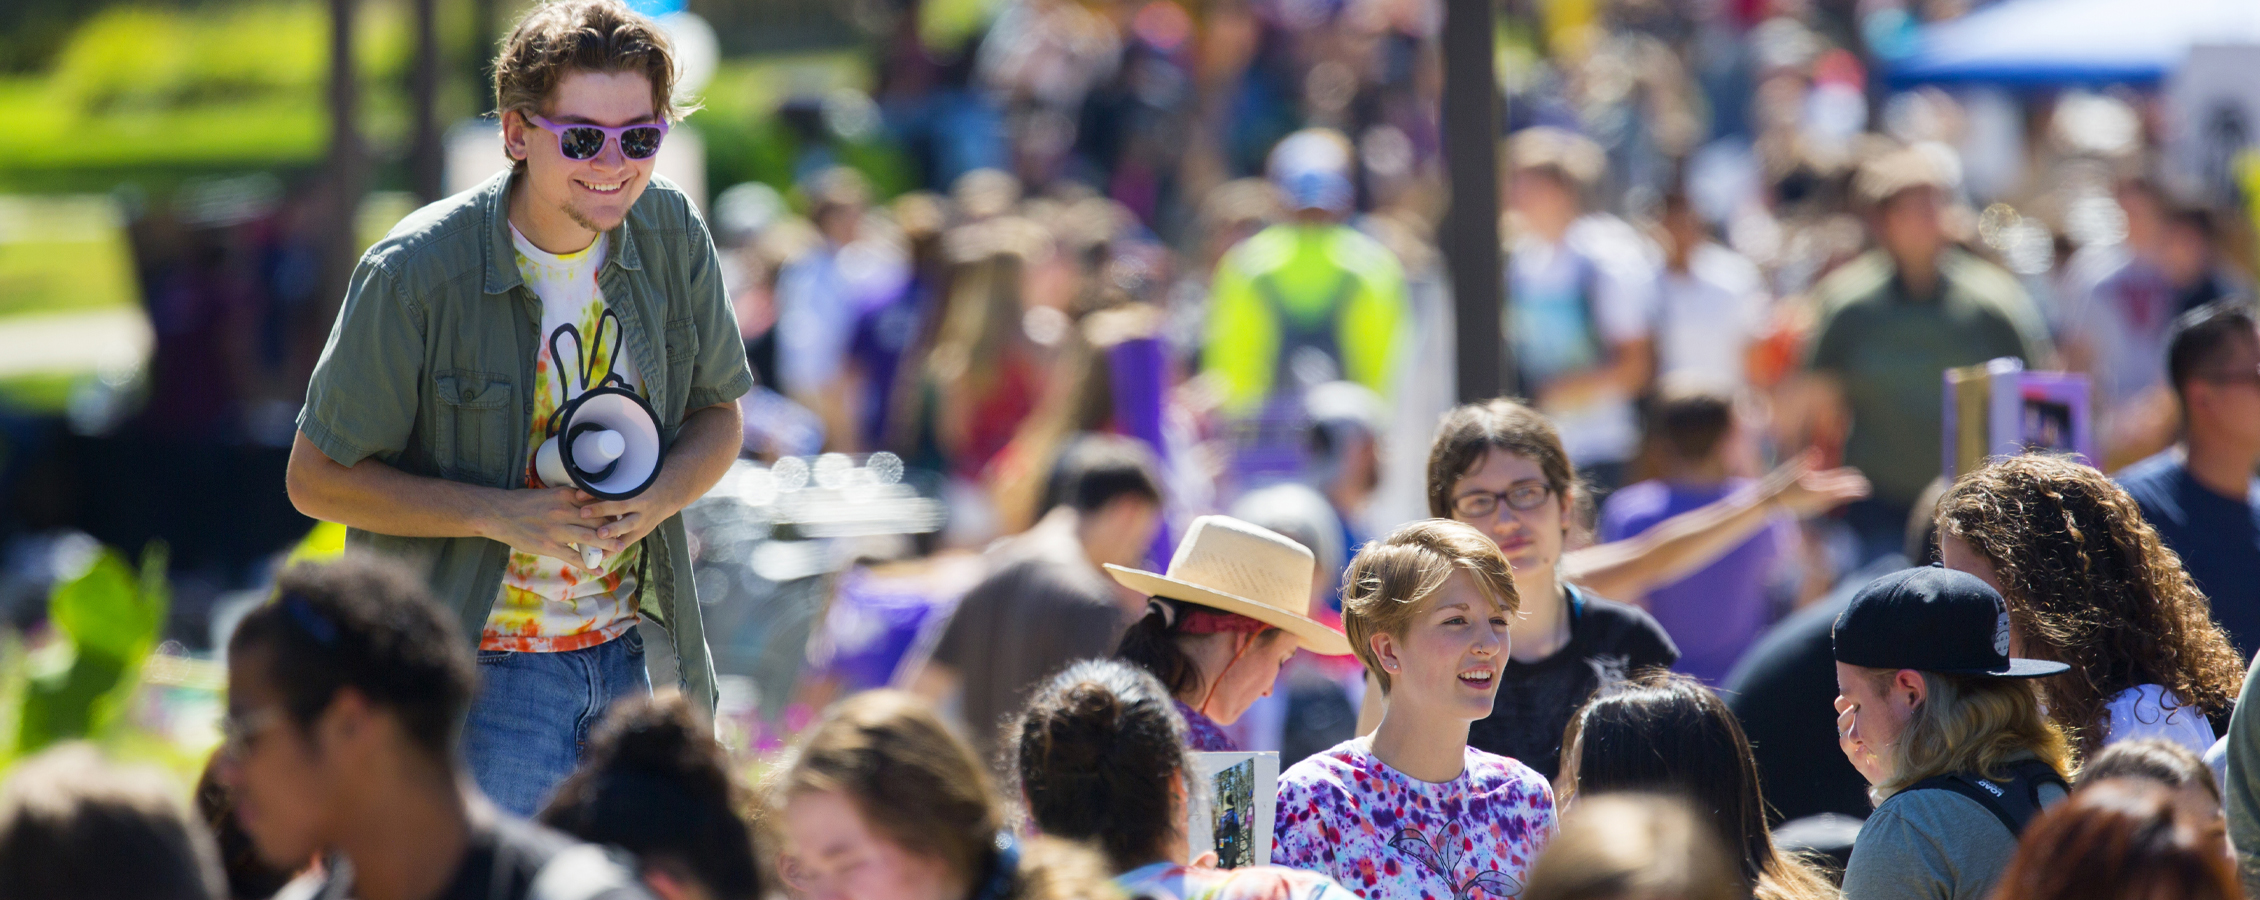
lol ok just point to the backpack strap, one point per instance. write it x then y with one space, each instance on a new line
2014 802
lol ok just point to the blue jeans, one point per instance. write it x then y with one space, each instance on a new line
532 717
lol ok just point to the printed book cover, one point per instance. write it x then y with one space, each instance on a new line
1236 796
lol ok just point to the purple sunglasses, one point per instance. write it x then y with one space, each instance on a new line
580 142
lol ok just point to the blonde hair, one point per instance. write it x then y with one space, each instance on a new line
1971 723
1634 846
1390 577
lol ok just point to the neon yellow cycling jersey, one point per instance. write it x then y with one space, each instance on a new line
1325 285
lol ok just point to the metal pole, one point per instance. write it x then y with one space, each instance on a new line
1471 229
483 51
424 154
346 168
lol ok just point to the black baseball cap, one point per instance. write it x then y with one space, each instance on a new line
1932 620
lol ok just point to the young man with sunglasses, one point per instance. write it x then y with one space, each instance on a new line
344 697
465 332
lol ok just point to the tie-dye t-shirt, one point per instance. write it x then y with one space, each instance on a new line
1388 836
547 606
1170 881
1202 733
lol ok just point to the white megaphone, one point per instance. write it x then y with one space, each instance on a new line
604 442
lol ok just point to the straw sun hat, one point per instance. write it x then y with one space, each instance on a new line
1239 568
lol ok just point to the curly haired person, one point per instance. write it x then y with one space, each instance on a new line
2089 584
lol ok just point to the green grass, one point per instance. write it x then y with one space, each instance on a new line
172 93
40 393
63 254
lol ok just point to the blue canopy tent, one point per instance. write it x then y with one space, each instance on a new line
2041 43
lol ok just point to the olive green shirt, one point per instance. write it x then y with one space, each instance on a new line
430 369
1890 350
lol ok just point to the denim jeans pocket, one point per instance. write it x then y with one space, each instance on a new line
631 640
495 656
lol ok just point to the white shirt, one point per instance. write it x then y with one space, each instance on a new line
543 607
1707 316
1599 283
2142 711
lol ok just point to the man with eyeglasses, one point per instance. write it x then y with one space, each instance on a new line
344 698
2201 496
470 326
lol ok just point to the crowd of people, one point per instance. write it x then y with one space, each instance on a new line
1702 612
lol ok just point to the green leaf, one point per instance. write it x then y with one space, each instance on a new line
113 618
103 611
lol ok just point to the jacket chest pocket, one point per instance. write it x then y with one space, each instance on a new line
476 413
682 358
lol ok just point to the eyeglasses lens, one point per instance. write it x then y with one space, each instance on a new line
581 143
639 143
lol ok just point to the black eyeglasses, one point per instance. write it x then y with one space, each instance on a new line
1522 497
579 142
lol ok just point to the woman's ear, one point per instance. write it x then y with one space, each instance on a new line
1385 650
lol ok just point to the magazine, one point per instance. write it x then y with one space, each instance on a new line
1235 796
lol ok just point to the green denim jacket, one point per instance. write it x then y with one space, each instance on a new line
431 363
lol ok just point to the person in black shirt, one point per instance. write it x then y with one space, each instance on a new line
1784 690
1499 466
345 702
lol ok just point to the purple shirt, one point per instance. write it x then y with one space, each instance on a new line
1719 611
1203 734
1388 836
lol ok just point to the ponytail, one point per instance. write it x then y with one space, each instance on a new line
1152 645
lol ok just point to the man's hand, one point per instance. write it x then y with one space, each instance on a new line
625 522
703 451
544 522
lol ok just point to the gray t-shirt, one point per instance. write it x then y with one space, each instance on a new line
1043 607
1932 845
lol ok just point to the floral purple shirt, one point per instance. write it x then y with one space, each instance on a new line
1388 836
1170 881
1202 732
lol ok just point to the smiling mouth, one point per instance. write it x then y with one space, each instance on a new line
607 188
1480 678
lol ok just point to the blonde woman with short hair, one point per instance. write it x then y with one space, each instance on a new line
1412 811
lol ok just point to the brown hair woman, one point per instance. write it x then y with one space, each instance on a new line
882 802
2088 584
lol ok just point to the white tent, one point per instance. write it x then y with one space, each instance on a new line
2062 42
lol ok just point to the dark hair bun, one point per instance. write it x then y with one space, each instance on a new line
1099 750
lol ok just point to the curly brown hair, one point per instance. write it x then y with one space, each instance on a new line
2089 584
